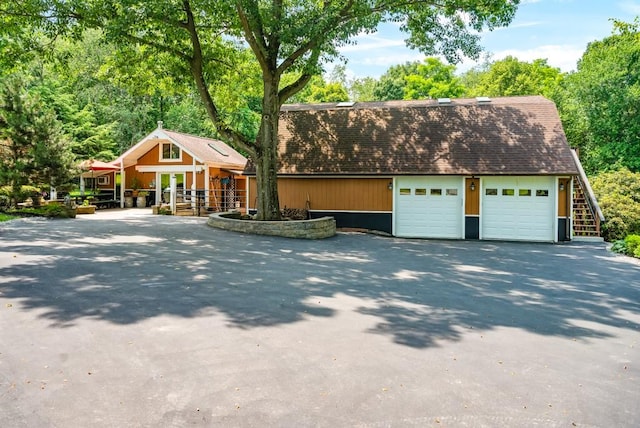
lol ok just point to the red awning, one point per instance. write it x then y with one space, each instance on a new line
96 165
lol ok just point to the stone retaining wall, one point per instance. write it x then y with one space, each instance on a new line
318 228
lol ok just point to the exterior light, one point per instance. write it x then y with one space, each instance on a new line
562 186
473 186
390 185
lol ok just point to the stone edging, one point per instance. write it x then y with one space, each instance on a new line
318 228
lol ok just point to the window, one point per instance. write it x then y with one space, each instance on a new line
405 191
524 192
436 192
421 192
452 192
491 192
508 192
170 151
103 180
542 192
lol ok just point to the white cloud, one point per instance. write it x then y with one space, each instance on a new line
630 7
369 42
564 57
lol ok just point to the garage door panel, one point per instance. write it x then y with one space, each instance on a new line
523 215
424 214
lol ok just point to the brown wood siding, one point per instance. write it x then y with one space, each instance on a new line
331 194
472 197
563 198
144 178
152 157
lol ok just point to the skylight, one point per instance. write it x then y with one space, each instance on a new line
218 149
483 99
346 104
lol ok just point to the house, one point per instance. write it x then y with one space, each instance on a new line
476 168
179 170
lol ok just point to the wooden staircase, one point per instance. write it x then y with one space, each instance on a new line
585 223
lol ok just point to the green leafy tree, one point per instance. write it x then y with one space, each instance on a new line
33 149
284 37
433 79
362 89
511 77
319 91
602 107
392 83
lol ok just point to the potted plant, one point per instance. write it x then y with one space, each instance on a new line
141 200
135 185
86 208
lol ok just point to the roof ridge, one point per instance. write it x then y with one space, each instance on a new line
186 134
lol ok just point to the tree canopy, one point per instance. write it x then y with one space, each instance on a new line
511 77
32 146
204 40
602 101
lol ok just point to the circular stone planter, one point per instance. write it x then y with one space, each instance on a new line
317 228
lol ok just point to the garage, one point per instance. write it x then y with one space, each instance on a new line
518 208
428 207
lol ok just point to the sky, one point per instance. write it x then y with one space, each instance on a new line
557 30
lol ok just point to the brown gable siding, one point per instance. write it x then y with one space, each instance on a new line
518 135
332 194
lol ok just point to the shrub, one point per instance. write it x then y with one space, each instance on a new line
620 246
632 242
618 194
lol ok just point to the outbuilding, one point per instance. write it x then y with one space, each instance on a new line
475 168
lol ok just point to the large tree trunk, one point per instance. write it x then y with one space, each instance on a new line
266 160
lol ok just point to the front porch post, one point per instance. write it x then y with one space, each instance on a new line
122 184
194 203
172 194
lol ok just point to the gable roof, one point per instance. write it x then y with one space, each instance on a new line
205 150
510 136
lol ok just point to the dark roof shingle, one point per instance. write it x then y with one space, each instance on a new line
515 135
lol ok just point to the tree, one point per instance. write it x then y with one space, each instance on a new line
392 83
604 101
32 147
293 36
362 89
319 91
433 79
511 77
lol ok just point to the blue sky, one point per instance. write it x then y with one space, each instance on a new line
558 30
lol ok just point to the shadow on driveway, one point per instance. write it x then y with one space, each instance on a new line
130 269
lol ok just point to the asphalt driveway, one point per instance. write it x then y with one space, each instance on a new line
127 319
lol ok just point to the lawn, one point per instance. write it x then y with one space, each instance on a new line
6 217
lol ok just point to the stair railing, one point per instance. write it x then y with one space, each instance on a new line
590 197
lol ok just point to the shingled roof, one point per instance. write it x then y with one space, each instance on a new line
501 136
208 150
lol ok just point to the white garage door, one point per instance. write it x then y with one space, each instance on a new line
518 208
428 207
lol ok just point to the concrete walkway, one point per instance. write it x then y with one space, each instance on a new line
127 319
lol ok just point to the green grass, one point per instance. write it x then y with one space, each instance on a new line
6 217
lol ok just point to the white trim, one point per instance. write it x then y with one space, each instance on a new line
316 177
103 180
161 152
169 168
350 211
